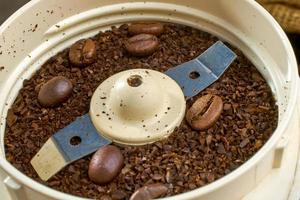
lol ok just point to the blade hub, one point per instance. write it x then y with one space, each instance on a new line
137 107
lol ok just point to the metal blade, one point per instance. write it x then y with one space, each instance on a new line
209 66
83 128
59 152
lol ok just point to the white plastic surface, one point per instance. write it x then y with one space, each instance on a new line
42 28
295 191
14 189
141 114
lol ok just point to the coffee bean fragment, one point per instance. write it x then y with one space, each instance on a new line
55 91
205 112
105 164
83 53
210 177
227 106
11 118
154 28
244 143
221 149
105 197
169 176
258 144
149 192
118 194
142 45
209 140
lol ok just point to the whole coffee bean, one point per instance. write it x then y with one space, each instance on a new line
54 92
105 164
205 112
142 45
149 192
83 53
154 28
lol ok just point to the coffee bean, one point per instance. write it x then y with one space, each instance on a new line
142 45
149 192
83 53
105 164
153 28
55 91
205 112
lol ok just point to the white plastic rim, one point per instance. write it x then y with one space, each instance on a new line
243 23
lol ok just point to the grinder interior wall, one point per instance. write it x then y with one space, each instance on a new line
26 46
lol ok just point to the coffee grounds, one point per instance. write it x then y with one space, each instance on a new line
187 159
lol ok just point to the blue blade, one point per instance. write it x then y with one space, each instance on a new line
210 66
82 127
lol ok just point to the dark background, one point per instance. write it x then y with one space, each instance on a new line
8 7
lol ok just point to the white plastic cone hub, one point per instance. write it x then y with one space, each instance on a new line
137 107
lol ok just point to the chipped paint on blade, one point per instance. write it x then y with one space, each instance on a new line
208 67
48 161
58 152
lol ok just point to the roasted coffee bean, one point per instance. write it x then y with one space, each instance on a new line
149 192
142 45
83 53
154 28
55 91
105 164
205 112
